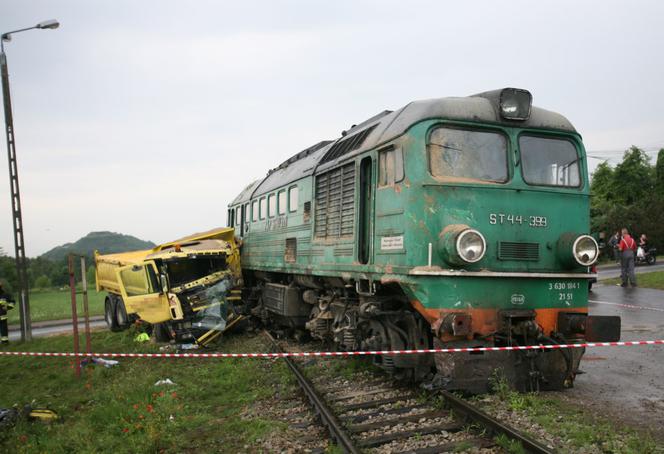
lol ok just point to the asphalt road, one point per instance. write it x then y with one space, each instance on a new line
626 383
611 271
42 329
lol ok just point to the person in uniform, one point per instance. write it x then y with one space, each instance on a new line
6 303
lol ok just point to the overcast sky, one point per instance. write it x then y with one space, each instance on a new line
147 118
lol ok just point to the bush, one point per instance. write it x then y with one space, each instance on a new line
42 282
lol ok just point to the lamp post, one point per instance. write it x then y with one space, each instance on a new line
21 268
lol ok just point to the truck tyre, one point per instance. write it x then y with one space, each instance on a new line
109 314
162 333
121 314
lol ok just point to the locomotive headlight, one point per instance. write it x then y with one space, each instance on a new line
515 103
460 245
577 250
471 246
586 250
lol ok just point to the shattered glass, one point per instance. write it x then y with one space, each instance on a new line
215 313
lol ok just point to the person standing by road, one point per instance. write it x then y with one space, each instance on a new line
6 303
613 244
627 247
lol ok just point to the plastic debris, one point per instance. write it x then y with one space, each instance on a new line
165 381
143 337
8 417
100 361
42 414
188 346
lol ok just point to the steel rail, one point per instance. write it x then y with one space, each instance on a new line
337 433
460 406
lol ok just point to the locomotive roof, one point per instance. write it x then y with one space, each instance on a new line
388 125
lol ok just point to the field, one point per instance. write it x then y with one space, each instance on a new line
647 280
120 409
56 304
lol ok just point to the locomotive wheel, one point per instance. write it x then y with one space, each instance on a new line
110 315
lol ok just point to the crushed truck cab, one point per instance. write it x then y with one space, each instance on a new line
185 288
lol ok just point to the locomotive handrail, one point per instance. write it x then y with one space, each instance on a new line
461 273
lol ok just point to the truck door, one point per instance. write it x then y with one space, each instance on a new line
142 293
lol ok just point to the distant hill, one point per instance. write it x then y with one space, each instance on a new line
104 242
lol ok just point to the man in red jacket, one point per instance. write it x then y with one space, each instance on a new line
627 247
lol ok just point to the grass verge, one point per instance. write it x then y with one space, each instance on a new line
56 304
568 427
654 280
120 409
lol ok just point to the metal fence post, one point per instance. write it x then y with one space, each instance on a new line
74 315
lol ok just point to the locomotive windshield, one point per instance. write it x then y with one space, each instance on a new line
467 154
549 162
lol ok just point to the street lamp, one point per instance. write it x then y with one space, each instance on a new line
21 268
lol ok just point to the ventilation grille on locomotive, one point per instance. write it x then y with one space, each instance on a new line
508 250
347 145
335 203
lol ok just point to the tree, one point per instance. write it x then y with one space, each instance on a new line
659 173
602 185
90 275
629 196
42 282
633 177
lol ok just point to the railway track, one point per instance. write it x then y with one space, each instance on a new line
373 414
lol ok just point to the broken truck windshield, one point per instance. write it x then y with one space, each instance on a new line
185 270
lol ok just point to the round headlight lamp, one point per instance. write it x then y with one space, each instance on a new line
585 250
471 246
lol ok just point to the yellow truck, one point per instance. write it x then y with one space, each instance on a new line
187 289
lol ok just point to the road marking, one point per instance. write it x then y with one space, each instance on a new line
628 306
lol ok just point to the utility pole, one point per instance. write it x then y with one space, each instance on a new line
17 218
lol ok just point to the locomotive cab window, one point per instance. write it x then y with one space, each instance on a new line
464 154
254 210
390 164
292 199
272 205
263 208
549 161
282 202
247 213
238 216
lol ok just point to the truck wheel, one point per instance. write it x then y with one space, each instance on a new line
162 333
109 314
121 314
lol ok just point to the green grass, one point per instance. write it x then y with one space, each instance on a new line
581 429
56 304
654 280
120 410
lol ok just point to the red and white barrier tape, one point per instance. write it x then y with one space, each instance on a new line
360 353
628 306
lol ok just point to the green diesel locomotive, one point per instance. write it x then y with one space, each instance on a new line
451 222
